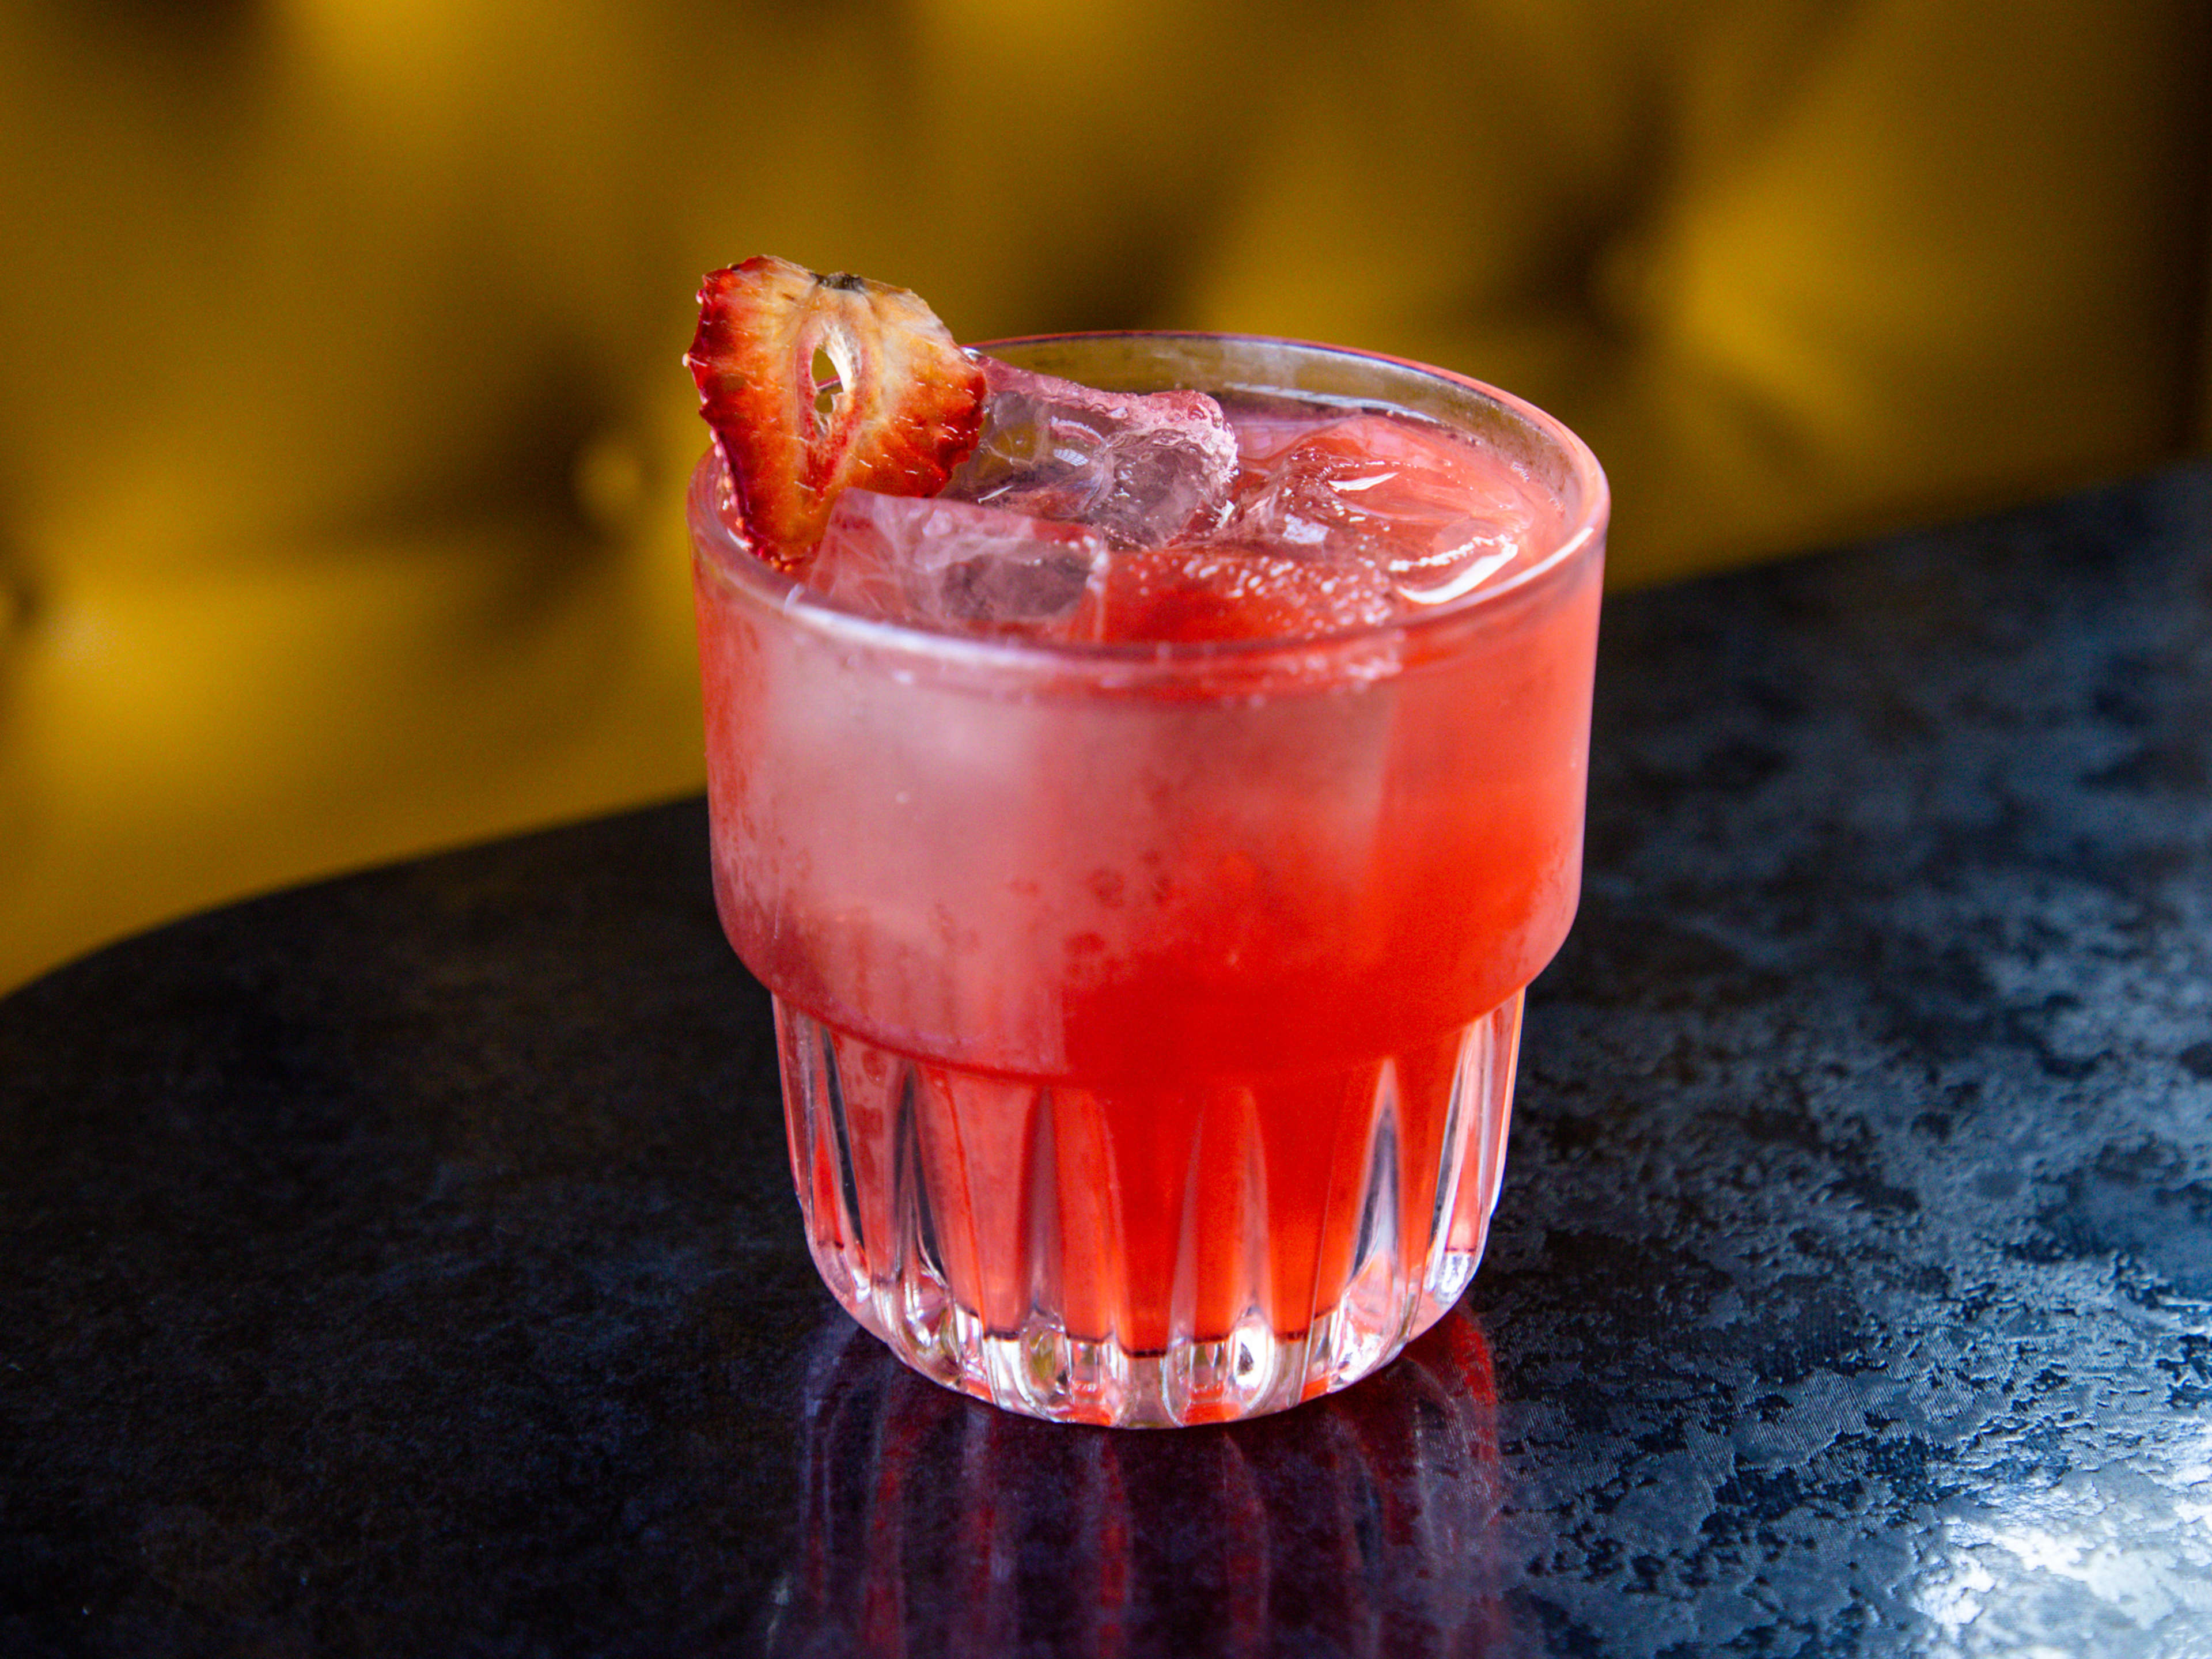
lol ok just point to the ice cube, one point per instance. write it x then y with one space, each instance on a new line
1429 508
954 565
1218 591
1265 430
1143 469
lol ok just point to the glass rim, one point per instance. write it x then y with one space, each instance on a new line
1149 660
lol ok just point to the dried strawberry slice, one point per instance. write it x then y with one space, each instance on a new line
907 409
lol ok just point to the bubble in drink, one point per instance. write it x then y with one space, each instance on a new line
954 565
1143 471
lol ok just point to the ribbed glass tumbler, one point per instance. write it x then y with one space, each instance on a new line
1148 1014
1146 1257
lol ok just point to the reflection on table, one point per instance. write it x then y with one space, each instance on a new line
1359 1523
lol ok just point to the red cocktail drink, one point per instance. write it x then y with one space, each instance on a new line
1148 987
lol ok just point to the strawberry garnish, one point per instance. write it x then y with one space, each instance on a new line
906 410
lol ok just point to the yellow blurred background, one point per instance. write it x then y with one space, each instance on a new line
345 429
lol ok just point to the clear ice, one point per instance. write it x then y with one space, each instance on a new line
955 565
1216 591
1144 471
1373 489
1087 515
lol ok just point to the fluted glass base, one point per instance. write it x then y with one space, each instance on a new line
1146 1257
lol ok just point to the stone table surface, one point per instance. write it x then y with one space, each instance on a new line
408 1264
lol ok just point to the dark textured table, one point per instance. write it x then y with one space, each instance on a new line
408 1264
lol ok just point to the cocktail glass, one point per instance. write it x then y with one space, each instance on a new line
1148 1012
